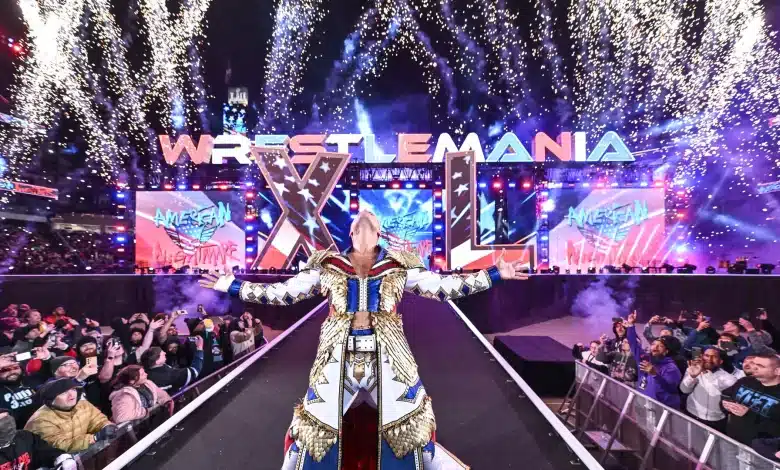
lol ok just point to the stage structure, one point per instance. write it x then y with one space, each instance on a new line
267 202
570 216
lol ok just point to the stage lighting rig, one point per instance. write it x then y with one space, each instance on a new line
766 268
738 268
627 269
711 270
686 269
668 268
591 270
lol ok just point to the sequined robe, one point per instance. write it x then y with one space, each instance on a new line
405 414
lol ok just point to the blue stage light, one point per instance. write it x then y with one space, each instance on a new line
409 186
249 249
512 185
249 228
182 186
437 205
643 184
545 238
120 239
120 195
437 227
483 185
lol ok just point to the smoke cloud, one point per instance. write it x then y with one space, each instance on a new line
602 301
179 292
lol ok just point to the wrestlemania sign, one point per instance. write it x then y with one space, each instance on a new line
412 148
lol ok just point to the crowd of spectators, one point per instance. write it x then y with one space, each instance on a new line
68 383
36 249
728 380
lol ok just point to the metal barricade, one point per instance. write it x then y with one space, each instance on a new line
617 418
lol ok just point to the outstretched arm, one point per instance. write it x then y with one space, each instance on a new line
432 285
301 286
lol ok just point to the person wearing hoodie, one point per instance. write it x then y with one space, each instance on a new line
135 396
168 378
66 421
659 377
622 365
23 450
619 329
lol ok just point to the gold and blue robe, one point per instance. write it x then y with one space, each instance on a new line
406 420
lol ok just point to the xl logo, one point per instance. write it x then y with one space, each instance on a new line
301 228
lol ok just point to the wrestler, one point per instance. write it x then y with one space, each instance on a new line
363 356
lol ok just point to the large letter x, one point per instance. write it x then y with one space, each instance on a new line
301 199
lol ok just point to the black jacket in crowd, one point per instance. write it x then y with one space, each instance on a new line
28 452
172 379
21 401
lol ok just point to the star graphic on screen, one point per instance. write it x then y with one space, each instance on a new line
306 194
281 188
314 182
467 159
325 167
457 175
289 178
461 189
280 163
311 223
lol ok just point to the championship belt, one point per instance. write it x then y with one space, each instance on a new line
363 343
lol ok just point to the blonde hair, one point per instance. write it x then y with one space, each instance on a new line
367 216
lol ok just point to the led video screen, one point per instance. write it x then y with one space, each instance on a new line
335 214
518 215
199 229
406 216
611 226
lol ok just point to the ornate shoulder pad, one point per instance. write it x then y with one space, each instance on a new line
407 259
316 259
